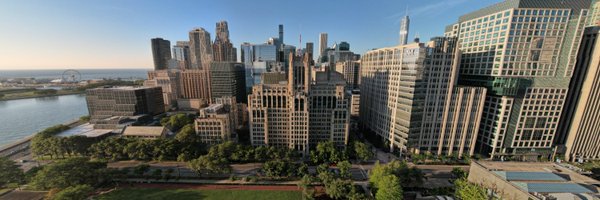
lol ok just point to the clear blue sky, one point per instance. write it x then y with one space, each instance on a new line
36 34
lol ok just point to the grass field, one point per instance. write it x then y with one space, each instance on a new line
181 194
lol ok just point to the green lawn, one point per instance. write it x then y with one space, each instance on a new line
180 194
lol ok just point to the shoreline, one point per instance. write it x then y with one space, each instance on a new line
41 96
21 145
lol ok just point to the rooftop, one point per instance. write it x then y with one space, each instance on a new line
542 178
145 131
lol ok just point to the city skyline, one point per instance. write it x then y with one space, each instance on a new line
119 31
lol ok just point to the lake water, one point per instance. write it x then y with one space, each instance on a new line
24 117
86 74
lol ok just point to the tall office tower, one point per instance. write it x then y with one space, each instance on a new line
181 53
296 114
223 50
322 43
214 125
410 98
200 49
351 73
109 102
524 53
279 112
247 57
310 49
578 128
404 26
170 82
227 79
161 52
281 34
329 109
195 85
338 53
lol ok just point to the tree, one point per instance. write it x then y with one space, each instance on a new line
2 96
307 192
187 134
464 190
326 152
278 168
459 173
389 189
10 172
344 167
338 188
70 172
76 192
85 118
303 170
176 122
206 164
363 152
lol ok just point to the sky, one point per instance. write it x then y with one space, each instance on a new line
59 34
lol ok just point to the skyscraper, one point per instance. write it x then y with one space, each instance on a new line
170 82
280 112
404 26
410 98
350 71
227 80
310 49
223 50
281 33
578 127
161 52
201 53
181 53
322 43
195 85
524 53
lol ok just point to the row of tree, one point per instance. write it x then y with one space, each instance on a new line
46 143
327 152
219 156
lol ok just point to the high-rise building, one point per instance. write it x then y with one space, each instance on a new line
227 79
410 98
310 49
161 52
280 34
201 53
214 125
195 85
247 57
280 113
338 53
109 102
170 82
524 53
223 50
351 72
578 128
181 53
322 43
404 27
329 109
